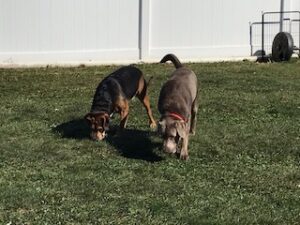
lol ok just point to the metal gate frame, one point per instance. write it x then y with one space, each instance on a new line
267 23
263 28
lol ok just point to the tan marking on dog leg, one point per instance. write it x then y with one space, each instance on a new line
141 86
146 103
124 111
144 98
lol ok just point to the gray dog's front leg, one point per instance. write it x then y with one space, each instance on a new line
184 149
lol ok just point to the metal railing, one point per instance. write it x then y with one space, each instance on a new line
263 26
272 35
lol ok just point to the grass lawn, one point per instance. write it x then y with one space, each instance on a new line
244 159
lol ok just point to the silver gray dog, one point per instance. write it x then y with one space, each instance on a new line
178 107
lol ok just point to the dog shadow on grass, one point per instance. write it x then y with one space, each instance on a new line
74 129
130 143
135 144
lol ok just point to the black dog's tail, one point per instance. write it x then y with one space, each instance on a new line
173 58
149 81
146 87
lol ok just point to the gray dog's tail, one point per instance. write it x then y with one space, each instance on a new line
173 58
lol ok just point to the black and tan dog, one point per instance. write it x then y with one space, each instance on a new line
178 108
113 95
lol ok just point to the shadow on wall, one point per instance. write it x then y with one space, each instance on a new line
133 144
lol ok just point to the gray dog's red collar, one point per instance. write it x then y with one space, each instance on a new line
177 116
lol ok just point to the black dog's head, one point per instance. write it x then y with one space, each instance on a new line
99 124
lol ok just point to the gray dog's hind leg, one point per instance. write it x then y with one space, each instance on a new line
194 117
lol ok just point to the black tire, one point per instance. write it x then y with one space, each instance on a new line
282 47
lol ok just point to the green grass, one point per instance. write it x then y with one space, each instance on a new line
244 159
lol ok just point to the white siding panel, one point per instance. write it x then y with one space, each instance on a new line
64 26
62 31
214 28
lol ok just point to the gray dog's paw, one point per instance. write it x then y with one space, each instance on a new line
184 157
192 133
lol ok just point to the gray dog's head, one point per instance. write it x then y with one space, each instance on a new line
172 131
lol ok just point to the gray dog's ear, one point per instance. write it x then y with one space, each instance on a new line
161 128
181 128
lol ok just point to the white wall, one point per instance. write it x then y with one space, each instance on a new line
295 5
212 28
81 31
68 30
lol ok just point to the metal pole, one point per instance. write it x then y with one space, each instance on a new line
281 15
251 40
263 35
299 34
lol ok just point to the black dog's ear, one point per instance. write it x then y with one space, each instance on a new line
105 123
89 118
